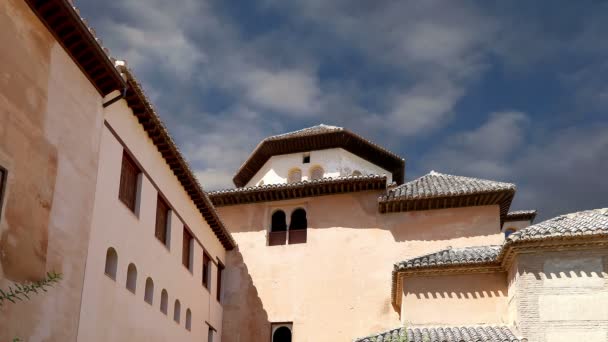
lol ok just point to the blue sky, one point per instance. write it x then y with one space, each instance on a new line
513 90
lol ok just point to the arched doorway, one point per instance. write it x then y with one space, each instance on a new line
282 334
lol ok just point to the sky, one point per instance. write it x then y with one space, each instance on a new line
515 91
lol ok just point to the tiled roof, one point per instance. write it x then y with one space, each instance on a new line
518 215
452 256
437 190
315 138
310 188
588 222
446 334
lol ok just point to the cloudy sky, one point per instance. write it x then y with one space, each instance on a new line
514 90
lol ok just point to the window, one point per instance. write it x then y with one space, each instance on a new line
188 320
281 332
509 232
306 158
129 175
131 278
357 173
164 301
3 174
220 271
294 176
177 308
278 229
210 333
206 270
111 263
187 249
149 294
316 172
297 226
162 220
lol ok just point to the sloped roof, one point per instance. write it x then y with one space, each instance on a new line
446 334
437 191
453 256
588 222
318 138
589 227
309 188
519 215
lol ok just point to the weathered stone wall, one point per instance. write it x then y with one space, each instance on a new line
50 126
562 296
336 286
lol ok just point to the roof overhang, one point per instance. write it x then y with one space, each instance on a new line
279 192
147 117
64 22
344 139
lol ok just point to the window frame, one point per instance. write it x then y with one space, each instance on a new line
3 185
128 160
218 282
189 265
206 276
160 201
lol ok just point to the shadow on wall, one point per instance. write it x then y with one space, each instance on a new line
244 316
458 295
473 286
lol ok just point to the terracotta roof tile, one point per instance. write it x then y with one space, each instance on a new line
453 256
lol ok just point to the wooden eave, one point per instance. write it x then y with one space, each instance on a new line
65 24
147 117
298 190
319 141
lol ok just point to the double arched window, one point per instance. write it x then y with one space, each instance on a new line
280 235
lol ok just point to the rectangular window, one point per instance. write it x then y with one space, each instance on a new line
220 271
187 249
306 158
128 182
162 220
2 186
206 270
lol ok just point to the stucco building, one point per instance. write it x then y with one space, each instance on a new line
322 239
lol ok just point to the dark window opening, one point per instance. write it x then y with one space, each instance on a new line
131 278
206 270
162 220
111 263
278 229
282 334
297 227
186 249
129 174
3 173
220 271
306 159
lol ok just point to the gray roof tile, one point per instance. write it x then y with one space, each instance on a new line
452 256
446 334
318 129
435 184
588 222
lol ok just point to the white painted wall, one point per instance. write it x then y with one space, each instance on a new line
336 162
109 311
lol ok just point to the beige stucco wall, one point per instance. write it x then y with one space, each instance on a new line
51 174
459 299
337 285
109 311
562 296
336 162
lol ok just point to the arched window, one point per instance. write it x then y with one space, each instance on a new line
164 301
509 231
131 278
316 172
188 320
297 226
111 263
278 229
357 173
282 334
177 308
294 176
149 294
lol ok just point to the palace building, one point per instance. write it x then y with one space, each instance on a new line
323 237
